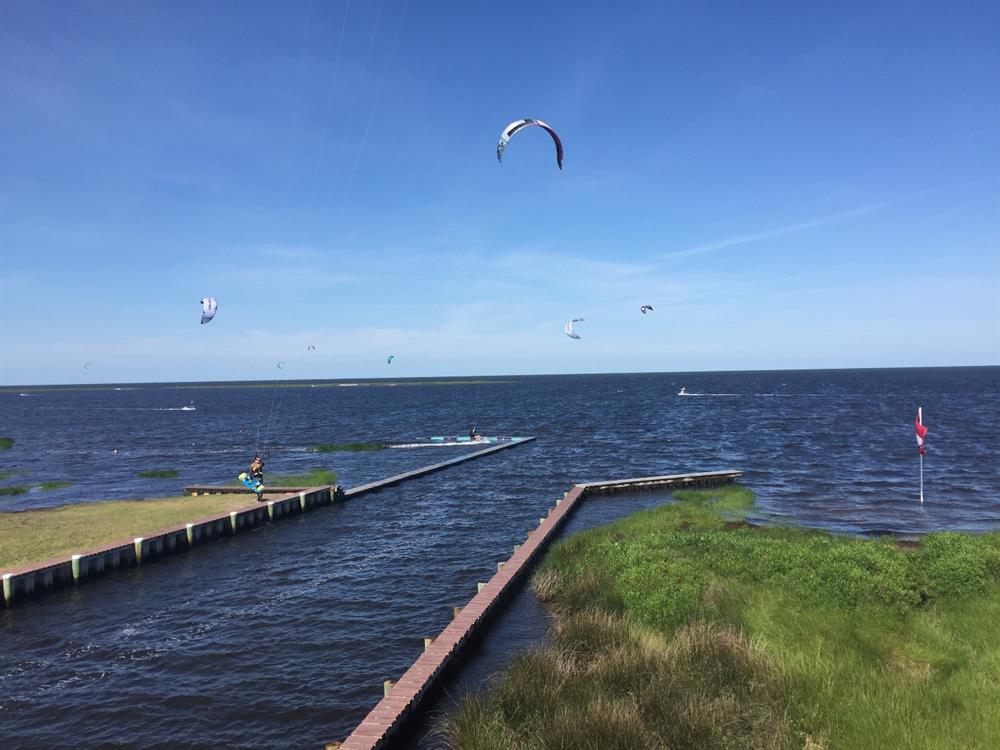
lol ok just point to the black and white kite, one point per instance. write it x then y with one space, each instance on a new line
517 126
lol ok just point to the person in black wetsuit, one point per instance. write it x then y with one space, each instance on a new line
473 434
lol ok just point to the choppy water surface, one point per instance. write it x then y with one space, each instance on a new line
282 637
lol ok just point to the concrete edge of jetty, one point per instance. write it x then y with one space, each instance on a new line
70 570
402 698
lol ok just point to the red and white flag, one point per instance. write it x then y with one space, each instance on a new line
921 430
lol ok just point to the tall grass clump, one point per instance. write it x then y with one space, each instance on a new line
686 627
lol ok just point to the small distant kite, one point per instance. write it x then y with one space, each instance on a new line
568 328
388 360
519 125
86 365
208 307
281 364
310 348
645 309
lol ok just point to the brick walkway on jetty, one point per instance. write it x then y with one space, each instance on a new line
19 583
403 698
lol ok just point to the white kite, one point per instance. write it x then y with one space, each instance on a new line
208 307
568 328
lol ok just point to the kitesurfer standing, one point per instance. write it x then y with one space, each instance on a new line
257 473
473 434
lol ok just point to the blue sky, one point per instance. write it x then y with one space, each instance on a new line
788 184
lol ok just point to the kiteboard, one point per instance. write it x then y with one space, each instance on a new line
254 485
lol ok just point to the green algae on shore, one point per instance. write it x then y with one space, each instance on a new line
159 474
686 627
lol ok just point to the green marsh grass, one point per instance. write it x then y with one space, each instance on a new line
54 485
6 442
13 490
685 627
314 478
159 474
351 447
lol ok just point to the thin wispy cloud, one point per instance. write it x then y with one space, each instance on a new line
747 239
851 213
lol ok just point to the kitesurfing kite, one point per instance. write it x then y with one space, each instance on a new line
208 307
310 348
86 365
645 309
568 328
281 364
518 125
388 360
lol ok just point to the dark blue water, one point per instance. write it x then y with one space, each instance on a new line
282 637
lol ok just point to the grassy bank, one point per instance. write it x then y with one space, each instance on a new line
684 627
35 535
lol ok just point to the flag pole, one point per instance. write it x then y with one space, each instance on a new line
921 479
921 432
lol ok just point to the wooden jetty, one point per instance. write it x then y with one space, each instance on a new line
403 697
22 582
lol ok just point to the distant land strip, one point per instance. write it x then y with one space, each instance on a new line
254 384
